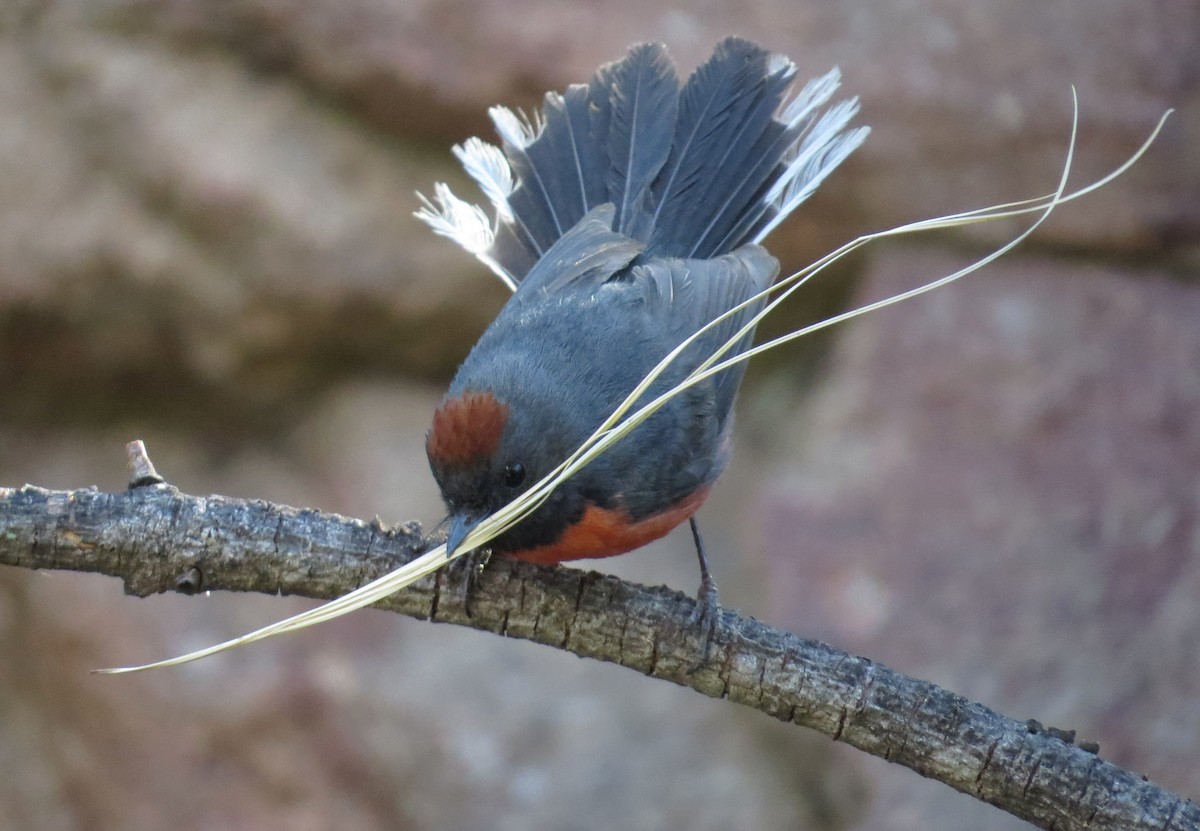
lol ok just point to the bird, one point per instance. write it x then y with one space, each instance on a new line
626 215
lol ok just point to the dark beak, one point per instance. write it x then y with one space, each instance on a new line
461 524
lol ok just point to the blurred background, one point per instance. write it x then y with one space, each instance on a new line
206 242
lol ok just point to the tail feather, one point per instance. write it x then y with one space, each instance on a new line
811 160
532 202
487 165
810 152
574 143
693 173
643 98
726 113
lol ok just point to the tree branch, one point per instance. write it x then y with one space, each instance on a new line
157 539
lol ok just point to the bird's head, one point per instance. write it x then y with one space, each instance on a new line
484 454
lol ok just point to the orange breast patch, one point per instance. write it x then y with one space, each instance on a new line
606 532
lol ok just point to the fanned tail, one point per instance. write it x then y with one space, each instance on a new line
693 172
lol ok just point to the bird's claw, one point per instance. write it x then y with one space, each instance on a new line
705 616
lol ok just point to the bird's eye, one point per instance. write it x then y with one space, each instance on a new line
514 474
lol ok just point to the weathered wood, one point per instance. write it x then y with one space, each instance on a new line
157 539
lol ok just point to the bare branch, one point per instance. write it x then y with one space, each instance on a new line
157 539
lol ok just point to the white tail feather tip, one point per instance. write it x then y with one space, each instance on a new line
488 166
457 219
812 95
515 127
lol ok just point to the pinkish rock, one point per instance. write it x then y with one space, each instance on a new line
999 491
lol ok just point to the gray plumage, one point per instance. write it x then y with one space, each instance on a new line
625 221
692 172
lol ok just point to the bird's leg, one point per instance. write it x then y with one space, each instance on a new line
708 607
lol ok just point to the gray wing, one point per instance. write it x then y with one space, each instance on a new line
689 294
589 251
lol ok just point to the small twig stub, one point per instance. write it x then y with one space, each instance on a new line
141 469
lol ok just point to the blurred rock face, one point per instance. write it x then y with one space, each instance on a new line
998 491
206 242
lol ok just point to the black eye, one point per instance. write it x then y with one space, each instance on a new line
514 475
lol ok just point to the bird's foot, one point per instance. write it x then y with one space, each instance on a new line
705 617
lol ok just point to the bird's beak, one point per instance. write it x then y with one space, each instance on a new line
461 524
